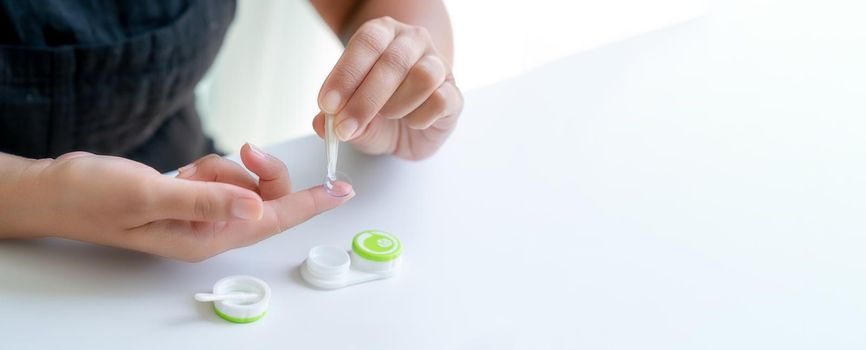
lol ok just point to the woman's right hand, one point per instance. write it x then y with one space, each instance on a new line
213 205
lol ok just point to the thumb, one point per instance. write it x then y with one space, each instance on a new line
319 124
204 201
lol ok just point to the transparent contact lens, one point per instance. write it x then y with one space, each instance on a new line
338 186
332 148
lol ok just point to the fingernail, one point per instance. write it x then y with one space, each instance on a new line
246 209
346 129
341 189
258 151
187 170
331 101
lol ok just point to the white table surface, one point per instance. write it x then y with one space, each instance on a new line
700 187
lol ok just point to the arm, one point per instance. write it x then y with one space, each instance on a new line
346 16
13 194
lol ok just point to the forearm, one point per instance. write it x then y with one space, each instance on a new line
345 17
14 210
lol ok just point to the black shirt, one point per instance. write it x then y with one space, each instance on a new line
107 76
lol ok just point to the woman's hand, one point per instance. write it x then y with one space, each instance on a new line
392 92
212 206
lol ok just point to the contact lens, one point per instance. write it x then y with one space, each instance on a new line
334 188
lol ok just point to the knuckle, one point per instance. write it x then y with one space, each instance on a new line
369 104
416 121
316 206
362 105
429 72
372 37
420 32
438 100
42 163
385 20
210 158
425 34
73 154
280 223
426 79
397 60
203 205
347 75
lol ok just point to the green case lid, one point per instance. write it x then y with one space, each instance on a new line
377 245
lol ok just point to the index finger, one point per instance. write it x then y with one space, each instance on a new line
284 213
361 53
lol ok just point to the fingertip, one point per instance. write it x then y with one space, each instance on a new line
187 171
331 101
246 154
254 151
346 129
319 125
340 189
255 159
326 199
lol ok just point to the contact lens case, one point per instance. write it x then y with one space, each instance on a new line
239 299
374 255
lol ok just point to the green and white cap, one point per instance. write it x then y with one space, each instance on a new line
375 255
378 246
239 299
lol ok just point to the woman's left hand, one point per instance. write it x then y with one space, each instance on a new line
391 92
